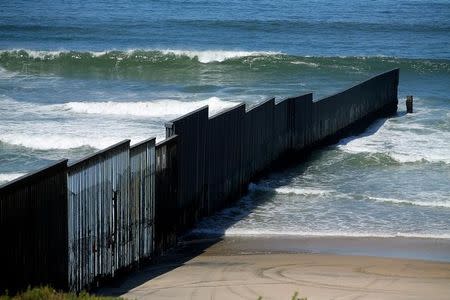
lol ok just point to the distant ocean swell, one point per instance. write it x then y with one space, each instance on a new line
274 25
115 61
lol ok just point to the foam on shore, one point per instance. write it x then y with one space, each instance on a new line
286 190
409 141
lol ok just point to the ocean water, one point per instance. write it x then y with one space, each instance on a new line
76 77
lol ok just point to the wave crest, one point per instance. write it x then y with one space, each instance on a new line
86 129
445 204
121 60
136 55
56 141
158 109
287 190
209 56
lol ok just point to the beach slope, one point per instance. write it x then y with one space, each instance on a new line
220 274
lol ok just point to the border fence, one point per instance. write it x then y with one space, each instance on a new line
33 229
72 226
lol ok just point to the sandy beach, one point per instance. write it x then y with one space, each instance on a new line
246 268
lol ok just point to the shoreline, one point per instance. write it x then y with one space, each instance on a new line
246 268
417 248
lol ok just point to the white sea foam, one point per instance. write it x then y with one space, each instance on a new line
405 140
203 56
310 64
424 235
50 53
264 232
37 53
4 74
43 54
77 124
57 140
412 202
287 190
158 109
43 127
209 56
5 177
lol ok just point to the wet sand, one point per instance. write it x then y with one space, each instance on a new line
275 268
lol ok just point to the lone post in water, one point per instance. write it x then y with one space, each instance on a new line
409 104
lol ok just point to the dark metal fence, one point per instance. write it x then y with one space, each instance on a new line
219 156
258 139
191 159
223 178
334 113
166 194
33 229
72 226
303 130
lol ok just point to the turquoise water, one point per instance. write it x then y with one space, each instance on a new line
76 77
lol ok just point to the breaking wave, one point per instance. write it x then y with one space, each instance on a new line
56 141
287 190
83 127
141 60
406 139
133 55
159 108
217 56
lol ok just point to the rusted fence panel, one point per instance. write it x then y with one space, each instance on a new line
33 229
166 204
99 214
142 199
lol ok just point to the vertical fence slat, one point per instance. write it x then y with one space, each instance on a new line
142 199
99 181
166 194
